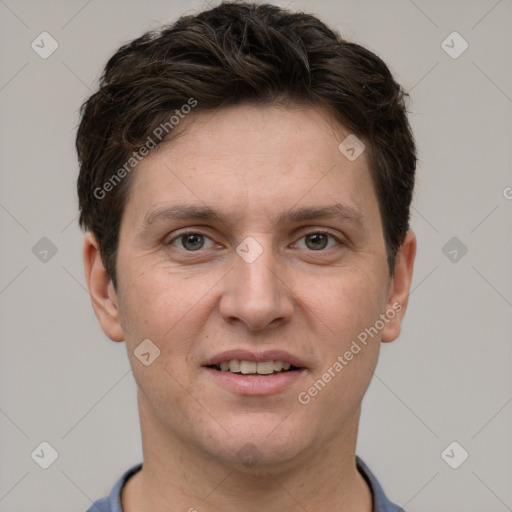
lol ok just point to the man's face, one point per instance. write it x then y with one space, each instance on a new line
266 279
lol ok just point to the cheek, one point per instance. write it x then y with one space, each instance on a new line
348 354
155 304
348 307
350 303
159 307
171 311
359 301
163 392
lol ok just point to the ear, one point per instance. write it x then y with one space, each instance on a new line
400 287
101 290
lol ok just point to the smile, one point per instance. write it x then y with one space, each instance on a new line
245 367
248 372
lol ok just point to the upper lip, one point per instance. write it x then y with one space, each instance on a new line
250 355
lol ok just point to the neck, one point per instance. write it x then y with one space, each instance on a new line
177 477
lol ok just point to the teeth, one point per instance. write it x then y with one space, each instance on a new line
252 367
265 368
248 367
234 365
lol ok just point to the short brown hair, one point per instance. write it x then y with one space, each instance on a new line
234 53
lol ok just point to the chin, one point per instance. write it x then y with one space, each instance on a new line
256 445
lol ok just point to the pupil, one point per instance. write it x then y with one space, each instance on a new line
318 241
193 242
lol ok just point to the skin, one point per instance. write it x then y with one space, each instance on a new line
252 162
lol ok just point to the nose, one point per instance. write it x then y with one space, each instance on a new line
256 293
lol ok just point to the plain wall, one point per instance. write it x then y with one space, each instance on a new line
447 378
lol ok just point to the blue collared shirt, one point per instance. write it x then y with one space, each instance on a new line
113 502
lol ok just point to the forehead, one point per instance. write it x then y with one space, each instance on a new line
254 161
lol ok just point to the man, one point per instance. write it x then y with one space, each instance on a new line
245 183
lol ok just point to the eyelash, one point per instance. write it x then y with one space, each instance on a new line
191 232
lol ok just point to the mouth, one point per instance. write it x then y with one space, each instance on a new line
245 372
245 367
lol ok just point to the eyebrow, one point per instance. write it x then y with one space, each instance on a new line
172 213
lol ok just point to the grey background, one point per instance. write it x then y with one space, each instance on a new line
448 377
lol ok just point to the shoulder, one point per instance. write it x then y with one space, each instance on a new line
380 501
101 505
113 502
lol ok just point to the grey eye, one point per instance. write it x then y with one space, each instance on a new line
317 241
192 241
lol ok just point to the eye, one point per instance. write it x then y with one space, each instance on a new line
191 241
318 241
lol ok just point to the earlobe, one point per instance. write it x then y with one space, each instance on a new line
400 287
102 293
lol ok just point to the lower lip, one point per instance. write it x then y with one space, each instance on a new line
256 384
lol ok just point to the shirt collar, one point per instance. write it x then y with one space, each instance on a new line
380 501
